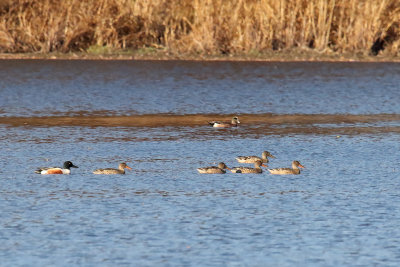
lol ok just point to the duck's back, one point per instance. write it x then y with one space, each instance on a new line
284 171
212 169
250 159
52 170
246 170
109 171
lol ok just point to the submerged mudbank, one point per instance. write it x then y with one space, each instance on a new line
253 123
161 120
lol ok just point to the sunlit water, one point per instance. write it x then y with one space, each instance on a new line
342 210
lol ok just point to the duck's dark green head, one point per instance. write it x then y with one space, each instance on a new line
68 165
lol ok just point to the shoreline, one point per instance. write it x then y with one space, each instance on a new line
280 56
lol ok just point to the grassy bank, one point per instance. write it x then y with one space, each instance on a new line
252 29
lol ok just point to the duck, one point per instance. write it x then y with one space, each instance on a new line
294 170
220 169
256 169
120 170
252 159
234 123
66 169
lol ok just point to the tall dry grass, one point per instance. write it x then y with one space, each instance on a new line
201 26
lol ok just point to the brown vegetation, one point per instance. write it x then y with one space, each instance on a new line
202 27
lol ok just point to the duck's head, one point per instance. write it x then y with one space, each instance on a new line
68 165
297 164
124 166
267 154
235 120
222 165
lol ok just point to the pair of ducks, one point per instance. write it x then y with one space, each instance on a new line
258 162
233 123
66 169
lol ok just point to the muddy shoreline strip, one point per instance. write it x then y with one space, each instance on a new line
163 120
276 57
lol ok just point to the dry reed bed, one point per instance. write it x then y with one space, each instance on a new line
206 27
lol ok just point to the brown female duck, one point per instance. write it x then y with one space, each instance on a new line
120 170
252 159
294 170
214 169
256 169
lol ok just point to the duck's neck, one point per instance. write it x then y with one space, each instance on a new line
258 167
295 169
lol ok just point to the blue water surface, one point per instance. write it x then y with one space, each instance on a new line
342 210
141 87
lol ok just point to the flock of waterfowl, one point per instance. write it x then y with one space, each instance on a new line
221 168
257 161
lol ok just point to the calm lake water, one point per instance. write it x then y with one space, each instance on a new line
342 210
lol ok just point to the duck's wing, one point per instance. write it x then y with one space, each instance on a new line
212 169
106 169
40 169
239 169
236 170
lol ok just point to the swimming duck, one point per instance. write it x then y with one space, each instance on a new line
66 169
252 159
214 169
234 123
256 169
120 170
294 170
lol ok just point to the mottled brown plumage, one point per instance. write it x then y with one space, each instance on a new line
256 169
294 170
120 170
252 159
214 169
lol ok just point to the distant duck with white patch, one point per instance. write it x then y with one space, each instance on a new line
234 123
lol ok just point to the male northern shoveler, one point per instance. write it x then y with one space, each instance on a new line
66 169
294 170
252 159
214 169
256 169
234 122
120 170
